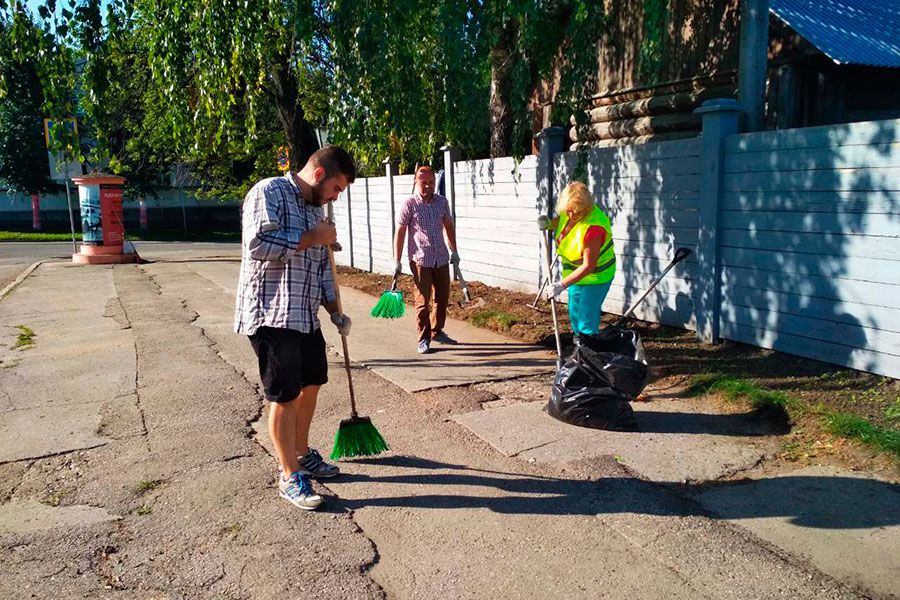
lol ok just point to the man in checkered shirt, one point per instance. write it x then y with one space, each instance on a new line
285 277
426 216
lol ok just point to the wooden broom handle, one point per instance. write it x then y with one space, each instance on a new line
340 308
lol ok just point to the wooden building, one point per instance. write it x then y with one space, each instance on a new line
829 61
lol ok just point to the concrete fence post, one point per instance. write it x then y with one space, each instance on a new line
390 171
550 141
720 119
451 155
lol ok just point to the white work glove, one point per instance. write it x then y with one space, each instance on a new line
342 322
398 268
543 222
454 258
555 290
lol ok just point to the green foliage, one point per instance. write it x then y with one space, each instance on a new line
655 20
217 64
410 77
23 155
46 46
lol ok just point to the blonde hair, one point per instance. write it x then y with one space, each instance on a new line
577 198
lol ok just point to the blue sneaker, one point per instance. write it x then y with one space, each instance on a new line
314 465
298 491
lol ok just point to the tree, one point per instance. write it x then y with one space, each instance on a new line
410 77
413 75
218 63
532 42
23 154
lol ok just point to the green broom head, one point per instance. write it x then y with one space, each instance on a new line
389 306
357 436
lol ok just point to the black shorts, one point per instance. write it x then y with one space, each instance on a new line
289 360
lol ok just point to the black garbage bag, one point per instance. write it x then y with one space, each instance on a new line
595 385
619 354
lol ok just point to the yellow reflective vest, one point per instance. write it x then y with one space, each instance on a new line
571 248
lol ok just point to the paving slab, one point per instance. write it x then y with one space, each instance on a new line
846 523
29 516
51 394
673 446
388 347
37 432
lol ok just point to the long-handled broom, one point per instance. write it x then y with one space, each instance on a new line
390 305
356 436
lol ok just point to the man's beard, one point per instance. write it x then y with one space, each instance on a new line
317 194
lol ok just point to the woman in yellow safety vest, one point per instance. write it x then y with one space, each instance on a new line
585 244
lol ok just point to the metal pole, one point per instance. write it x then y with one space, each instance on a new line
183 213
71 218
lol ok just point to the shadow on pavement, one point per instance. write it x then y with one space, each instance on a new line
807 501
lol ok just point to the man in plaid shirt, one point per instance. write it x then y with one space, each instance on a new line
426 216
285 277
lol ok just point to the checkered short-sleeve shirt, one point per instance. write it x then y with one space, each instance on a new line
425 229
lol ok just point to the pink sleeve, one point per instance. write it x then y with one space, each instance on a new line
404 215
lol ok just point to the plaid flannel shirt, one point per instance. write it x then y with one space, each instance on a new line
279 285
425 222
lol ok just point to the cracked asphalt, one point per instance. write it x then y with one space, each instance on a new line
144 476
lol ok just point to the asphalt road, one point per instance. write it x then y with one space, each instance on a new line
15 257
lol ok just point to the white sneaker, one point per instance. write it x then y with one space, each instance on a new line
424 347
298 491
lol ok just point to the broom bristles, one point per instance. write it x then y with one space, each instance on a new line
357 437
389 306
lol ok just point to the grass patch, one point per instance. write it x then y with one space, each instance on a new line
490 318
144 511
854 427
9 364
36 236
25 339
841 424
735 388
135 236
147 485
232 529
54 499
892 412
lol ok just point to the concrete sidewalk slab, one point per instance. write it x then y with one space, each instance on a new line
28 516
847 524
672 446
388 347
52 393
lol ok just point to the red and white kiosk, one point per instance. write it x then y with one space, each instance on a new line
102 225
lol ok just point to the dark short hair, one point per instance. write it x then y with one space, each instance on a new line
334 160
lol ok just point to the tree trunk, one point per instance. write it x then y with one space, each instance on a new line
301 139
502 59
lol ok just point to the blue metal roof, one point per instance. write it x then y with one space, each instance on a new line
864 32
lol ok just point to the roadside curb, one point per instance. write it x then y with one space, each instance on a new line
20 279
